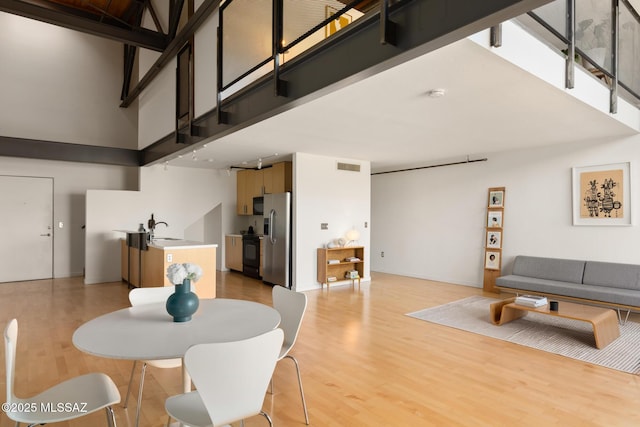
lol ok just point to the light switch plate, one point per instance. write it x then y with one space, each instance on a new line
324 226
169 257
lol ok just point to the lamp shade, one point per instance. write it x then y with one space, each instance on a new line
352 235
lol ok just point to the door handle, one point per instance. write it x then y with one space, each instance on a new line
46 235
272 226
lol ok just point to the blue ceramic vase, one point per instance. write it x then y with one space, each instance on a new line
182 303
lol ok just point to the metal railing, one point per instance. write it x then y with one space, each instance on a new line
257 38
603 37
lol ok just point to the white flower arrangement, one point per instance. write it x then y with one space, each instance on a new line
178 272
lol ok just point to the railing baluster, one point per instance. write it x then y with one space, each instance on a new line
570 66
615 43
496 35
387 27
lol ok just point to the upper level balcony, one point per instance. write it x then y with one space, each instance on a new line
529 79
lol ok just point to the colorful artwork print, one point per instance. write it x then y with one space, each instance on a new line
602 194
338 23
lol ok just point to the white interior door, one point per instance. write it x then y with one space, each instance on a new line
26 213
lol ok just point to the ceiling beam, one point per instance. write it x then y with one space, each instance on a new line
198 18
61 151
140 37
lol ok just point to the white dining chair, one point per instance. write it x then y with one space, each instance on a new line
140 296
78 396
231 379
291 305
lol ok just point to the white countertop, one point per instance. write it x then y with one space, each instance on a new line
160 243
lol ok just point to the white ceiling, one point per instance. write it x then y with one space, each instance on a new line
490 105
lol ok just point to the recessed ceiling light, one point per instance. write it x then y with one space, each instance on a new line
436 93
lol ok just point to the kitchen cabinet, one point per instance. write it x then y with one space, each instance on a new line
277 178
245 191
254 183
233 252
149 267
335 263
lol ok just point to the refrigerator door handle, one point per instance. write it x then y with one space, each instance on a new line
272 226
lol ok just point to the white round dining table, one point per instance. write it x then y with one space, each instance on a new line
148 332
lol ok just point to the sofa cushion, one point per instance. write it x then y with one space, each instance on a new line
626 276
575 290
543 286
563 270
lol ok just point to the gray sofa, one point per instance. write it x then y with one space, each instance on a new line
600 282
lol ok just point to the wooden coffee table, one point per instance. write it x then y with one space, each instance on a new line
604 320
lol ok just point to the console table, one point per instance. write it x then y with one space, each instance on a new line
334 263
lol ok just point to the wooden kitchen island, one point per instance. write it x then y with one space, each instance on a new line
152 263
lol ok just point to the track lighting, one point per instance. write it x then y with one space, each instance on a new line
246 164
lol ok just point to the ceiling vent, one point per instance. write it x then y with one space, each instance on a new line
348 167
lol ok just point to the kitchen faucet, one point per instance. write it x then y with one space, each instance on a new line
151 224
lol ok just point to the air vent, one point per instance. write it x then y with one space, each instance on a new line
348 167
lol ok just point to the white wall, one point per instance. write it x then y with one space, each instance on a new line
323 194
430 223
70 184
198 204
547 64
205 69
62 85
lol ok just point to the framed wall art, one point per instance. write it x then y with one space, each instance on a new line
494 219
602 194
494 239
496 198
494 235
492 260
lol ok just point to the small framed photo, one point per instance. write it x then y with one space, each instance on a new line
494 239
492 260
496 198
494 219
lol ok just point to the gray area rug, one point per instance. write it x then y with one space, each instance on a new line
571 338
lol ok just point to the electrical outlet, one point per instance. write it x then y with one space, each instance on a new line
382 254
324 226
366 224
169 257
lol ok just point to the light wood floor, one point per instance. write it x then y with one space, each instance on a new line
364 363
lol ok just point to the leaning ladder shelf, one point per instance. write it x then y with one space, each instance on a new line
333 265
494 238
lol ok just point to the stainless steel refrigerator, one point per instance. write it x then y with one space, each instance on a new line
277 239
